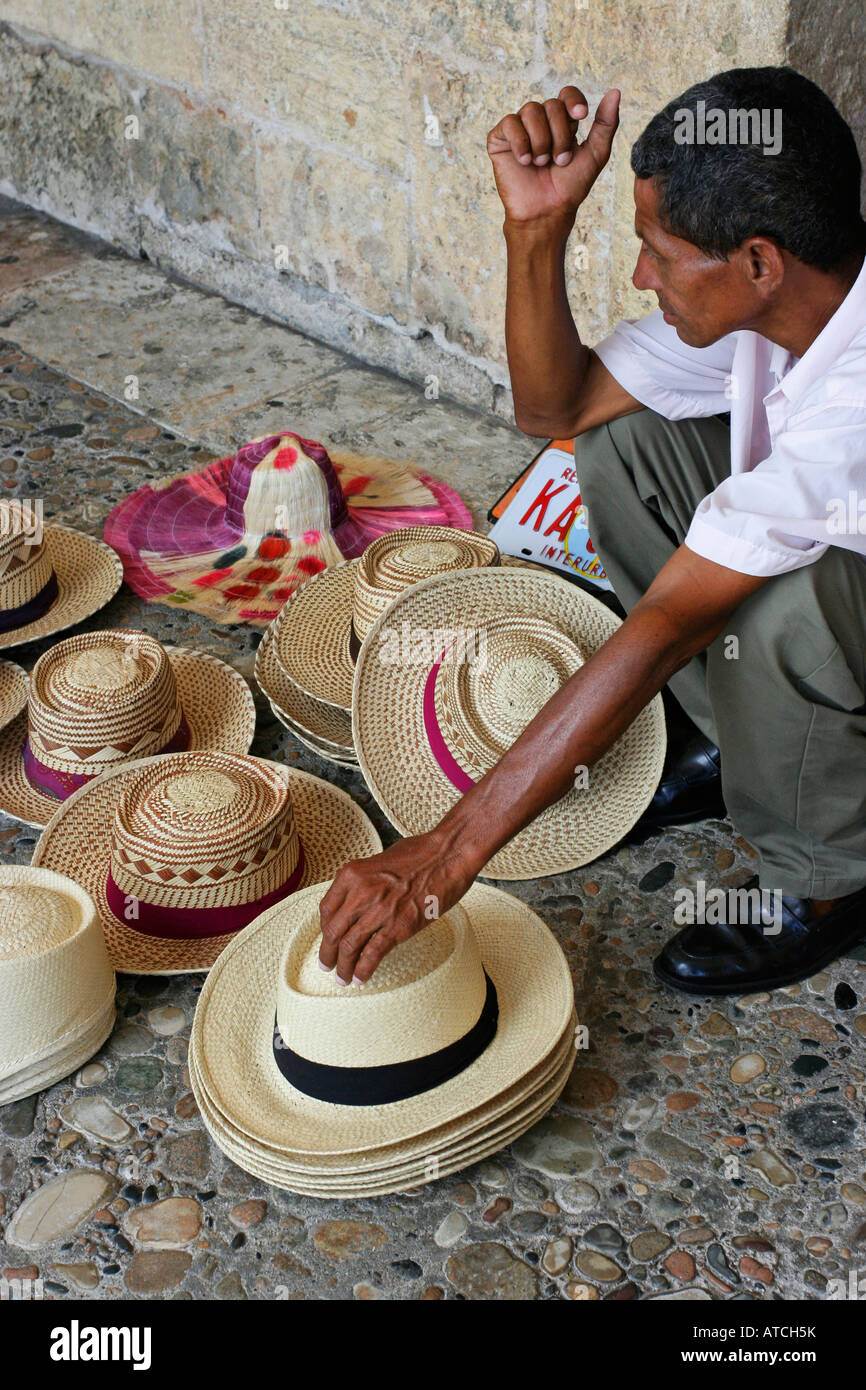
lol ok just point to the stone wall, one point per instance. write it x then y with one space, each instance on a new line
324 162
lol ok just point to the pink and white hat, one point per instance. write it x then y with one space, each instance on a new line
236 539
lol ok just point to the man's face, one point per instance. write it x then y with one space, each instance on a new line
703 298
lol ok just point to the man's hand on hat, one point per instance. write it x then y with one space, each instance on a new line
374 904
543 171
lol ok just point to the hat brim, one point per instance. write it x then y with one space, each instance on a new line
311 637
218 706
89 574
14 684
322 724
496 1114
36 1076
77 842
308 741
414 1173
406 779
234 1020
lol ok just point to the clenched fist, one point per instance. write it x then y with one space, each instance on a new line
541 168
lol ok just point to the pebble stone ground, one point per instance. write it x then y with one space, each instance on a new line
701 1150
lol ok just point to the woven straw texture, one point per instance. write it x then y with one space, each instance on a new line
56 982
88 575
25 564
215 699
482 705
307 740
13 691
394 563
78 839
399 1177
311 636
327 729
495 1114
233 1030
58 1064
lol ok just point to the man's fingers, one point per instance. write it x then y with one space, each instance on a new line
512 131
379 944
562 129
353 943
335 918
575 102
534 118
603 129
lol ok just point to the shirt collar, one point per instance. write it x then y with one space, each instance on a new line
819 357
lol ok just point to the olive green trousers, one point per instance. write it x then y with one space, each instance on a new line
786 701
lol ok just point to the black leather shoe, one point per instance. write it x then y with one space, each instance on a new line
691 782
774 941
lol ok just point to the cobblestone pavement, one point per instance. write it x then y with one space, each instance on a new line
700 1150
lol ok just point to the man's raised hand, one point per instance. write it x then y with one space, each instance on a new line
542 169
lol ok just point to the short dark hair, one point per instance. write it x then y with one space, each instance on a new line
806 197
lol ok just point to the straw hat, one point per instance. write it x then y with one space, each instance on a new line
180 851
102 699
237 538
295 1071
13 691
50 576
498 643
322 728
56 982
321 630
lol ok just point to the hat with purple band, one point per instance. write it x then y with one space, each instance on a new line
102 699
236 539
51 577
181 851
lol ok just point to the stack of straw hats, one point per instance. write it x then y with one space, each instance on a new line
56 982
306 660
428 723
180 852
13 691
102 699
461 1041
51 577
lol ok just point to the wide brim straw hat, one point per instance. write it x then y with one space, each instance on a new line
236 538
215 701
321 727
79 840
321 629
13 691
270 973
499 644
56 981
88 574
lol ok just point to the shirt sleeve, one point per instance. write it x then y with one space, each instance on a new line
784 513
680 382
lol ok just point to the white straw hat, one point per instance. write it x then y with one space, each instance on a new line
102 699
497 645
451 1020
13 691
320 630
50 576
179 852
56 982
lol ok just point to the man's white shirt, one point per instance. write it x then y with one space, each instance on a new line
798 432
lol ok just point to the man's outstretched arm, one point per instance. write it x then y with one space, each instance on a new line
375 903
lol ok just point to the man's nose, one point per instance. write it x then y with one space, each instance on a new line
643 278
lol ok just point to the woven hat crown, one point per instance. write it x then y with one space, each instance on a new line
204 829
55 975
280 483
394 562
102 698
25 565
425 994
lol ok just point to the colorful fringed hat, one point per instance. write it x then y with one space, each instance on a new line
236 539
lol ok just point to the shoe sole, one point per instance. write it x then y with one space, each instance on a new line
756 986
